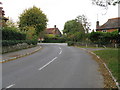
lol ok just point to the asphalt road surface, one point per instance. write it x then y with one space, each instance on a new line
55 66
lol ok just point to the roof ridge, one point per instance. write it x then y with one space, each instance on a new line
114 18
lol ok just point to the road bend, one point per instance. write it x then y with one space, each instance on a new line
55 66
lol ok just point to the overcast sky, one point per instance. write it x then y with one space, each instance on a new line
60 11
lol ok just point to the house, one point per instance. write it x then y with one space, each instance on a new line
111 25
53 31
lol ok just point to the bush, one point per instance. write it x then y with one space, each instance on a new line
70 43
11 33
104 38
29 42
54 40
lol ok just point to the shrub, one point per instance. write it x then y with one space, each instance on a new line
11 33
54 40
70 43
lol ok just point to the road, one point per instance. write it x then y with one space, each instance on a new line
55 66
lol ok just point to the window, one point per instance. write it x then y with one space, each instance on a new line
104 31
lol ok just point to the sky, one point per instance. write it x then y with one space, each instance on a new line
60 11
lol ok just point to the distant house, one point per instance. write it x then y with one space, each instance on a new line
53 31
111 25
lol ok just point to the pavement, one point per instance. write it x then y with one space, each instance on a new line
18 54
54 66
94 49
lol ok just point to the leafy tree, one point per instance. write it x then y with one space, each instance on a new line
82 19
30 33
73 30
72 26
33 17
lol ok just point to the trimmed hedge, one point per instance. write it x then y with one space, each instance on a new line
12 33
54 40
15 42
70 43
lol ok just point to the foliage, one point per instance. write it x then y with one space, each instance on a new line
100 38
12 33
30 33
54 39
50 35
73 26
33 17
42 34
104 38
70 43
74 31
82 19
11 23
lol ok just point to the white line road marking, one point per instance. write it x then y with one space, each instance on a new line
60 48
47 63
60 52
10 86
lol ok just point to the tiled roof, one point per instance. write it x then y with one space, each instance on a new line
54 31
113 23
51 30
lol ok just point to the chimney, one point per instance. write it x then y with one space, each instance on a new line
97 24
54 26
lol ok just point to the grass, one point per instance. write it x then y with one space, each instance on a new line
111 58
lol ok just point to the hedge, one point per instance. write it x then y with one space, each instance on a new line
70 43
54 40
12 33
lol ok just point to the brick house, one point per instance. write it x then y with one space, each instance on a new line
111 25
54 31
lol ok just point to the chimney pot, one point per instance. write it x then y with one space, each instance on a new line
97 24
54 26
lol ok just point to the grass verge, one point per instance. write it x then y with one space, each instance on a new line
111 58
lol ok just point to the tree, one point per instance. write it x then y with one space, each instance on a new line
82 19
73 26
33 17
30 33
73 30
11 23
